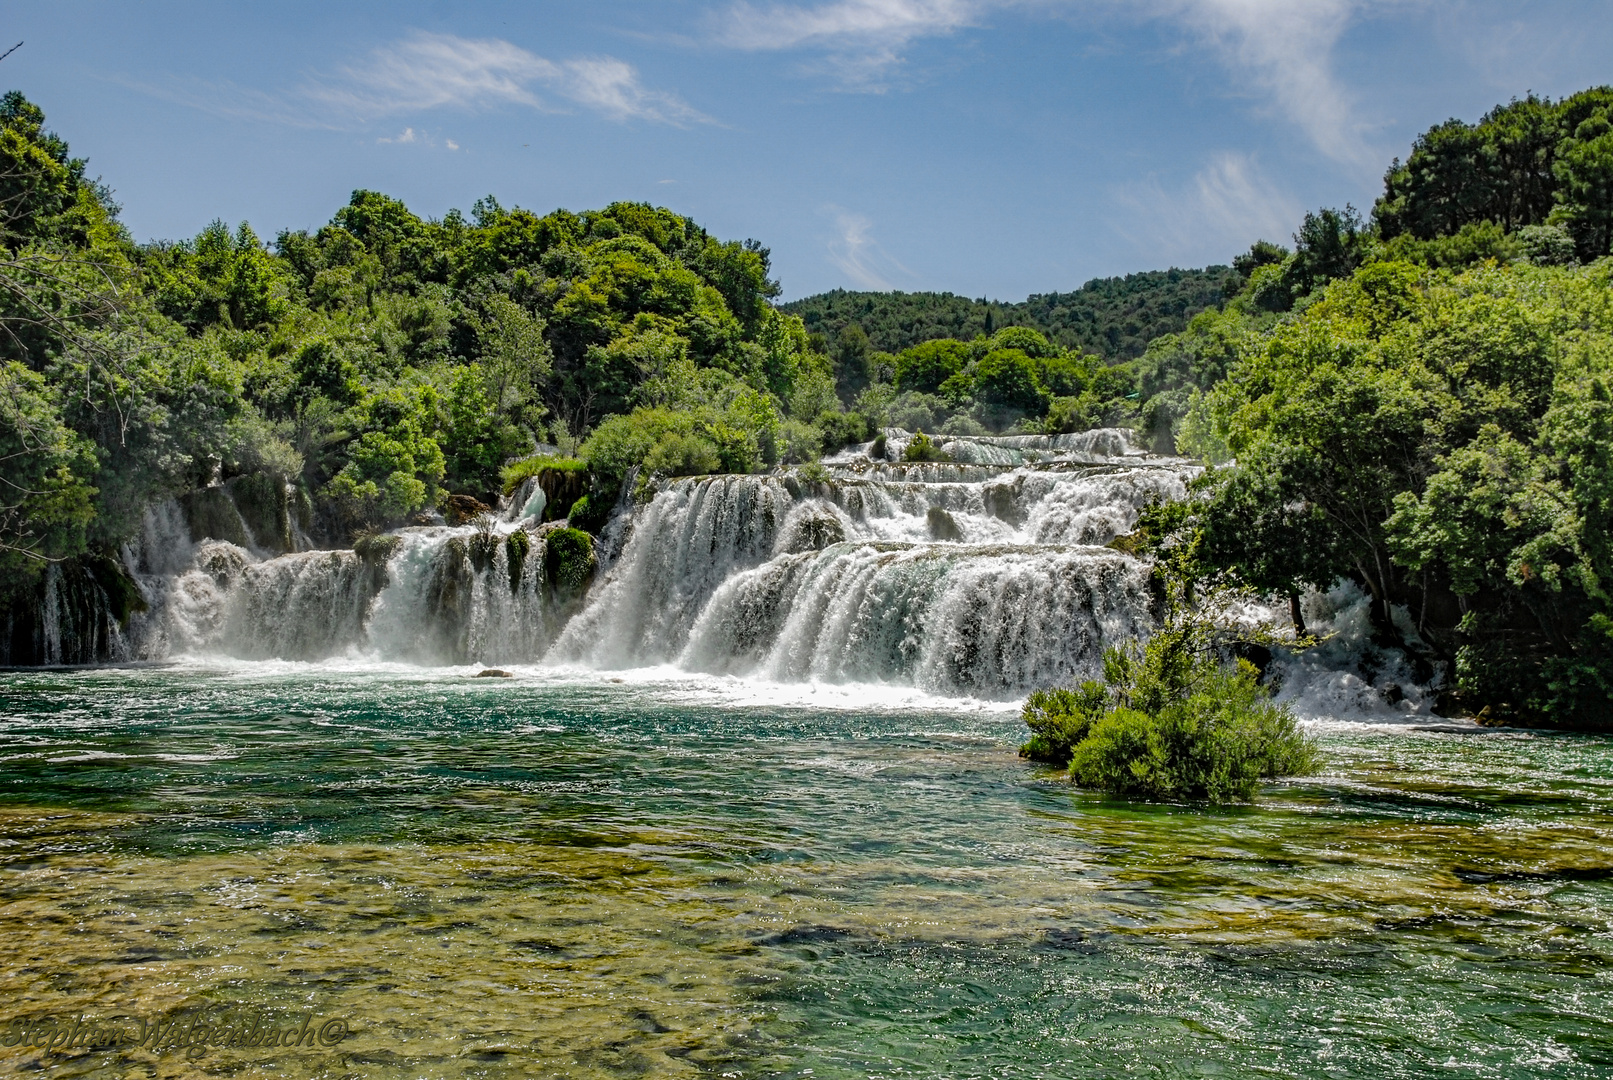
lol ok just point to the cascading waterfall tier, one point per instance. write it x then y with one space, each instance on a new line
431 595
975 578
981 620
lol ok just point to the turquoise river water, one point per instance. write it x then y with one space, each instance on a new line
593 876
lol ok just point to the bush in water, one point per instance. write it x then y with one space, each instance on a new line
1217 743
1171 720
1059 719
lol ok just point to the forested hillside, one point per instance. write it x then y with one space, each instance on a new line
1114 318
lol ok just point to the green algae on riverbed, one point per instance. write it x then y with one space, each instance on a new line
597 879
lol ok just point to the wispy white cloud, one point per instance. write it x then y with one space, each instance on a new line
843 22
1285 49
1225 207
426 71
860 40
1282 49
611 86
857 254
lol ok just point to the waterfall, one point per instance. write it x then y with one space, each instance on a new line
954 578
982 576
691 538
979 620
454 596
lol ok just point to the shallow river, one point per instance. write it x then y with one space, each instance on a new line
664 876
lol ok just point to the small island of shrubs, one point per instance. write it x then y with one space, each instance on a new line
1171 720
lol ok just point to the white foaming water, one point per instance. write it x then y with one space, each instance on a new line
981 621
972 587
439 606
1346 677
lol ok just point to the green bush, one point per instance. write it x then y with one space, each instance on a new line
802 442
922 449
1059 719
843 429
1072 413
677 454
1216 744
1171 720
589 514
568 560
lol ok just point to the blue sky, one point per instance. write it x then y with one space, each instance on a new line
987 147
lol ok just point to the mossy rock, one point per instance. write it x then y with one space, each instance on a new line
482 547
461 509
589 514
1131 543
211 515
376 548
562 490
516 547
92 596
123 595
568 560
264 507
920 448
450 581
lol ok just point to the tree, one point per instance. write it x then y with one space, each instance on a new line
1007 379
45 497
1585 197
923 368
851 362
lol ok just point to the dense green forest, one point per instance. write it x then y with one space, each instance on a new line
1418 400
1114 318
